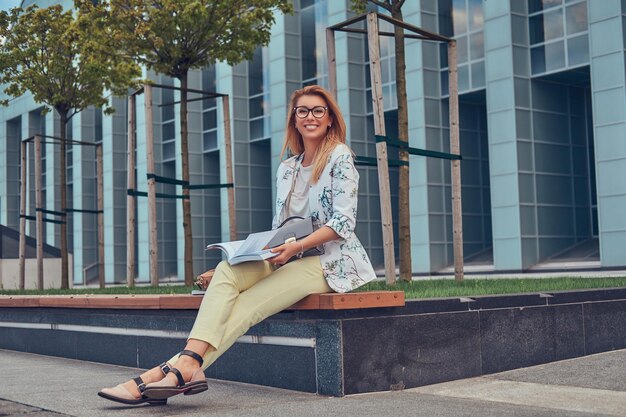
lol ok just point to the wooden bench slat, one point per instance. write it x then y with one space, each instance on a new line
332 301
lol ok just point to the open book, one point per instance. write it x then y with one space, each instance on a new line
251 249
256 246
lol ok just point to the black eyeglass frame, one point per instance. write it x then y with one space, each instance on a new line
309 111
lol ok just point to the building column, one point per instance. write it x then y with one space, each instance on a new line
502 118
608 85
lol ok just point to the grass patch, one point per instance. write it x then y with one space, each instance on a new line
169 289
426 288
437 288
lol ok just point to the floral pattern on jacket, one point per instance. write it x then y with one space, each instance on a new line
332 202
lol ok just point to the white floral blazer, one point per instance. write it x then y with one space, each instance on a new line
333 202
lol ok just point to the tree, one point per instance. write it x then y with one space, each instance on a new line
172 37
66 61
394 7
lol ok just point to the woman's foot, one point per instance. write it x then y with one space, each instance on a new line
131 392
187 377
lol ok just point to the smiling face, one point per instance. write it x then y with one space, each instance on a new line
312 129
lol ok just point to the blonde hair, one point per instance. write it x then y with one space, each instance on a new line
336 133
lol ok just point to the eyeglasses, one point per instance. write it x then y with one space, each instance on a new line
302 111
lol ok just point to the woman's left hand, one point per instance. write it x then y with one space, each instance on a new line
285 252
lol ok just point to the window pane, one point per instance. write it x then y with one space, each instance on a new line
576 17
475 14
459 17
256 107
578 50
169 131
307 28
444 83
555 56
169 150
538 59
209 140
255 71
209 119
478 74
545 27
463 78
477 50
445 17
256 129
548 57
461 49
538 5
553 24
443 54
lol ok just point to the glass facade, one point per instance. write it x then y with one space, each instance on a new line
542 122
558 35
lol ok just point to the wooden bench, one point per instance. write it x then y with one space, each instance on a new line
332 301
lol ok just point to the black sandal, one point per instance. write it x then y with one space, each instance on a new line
196 384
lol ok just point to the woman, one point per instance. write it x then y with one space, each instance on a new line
319 181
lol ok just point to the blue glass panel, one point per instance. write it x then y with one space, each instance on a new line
547 57
477 46
578 50
169 150
463 78
538 5
459 16
209 119
307 29
576 18
209 140
445 18
444 83
545 27
555 56
169 131
256 107
475 14
461 49
478 74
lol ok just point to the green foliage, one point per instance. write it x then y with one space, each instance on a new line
173 36
65 59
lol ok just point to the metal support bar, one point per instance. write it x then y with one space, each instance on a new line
166 180
208 186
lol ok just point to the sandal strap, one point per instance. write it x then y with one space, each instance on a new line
165 368
141 386
179 376
194 355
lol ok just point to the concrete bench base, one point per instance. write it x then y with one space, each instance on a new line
344 351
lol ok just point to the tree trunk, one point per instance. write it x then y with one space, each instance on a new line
63 179
184 150
404 213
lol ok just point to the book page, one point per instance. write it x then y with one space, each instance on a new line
255 242
229 248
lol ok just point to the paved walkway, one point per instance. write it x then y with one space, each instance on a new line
42 386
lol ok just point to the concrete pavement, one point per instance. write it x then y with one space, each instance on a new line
41 386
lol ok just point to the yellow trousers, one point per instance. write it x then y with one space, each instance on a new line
243 295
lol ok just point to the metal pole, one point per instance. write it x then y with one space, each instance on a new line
130 199
457 215
229 168
100 190
23 188
381 148
332 62
38 212
152 219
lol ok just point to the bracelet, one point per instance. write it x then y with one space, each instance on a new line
301 253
